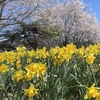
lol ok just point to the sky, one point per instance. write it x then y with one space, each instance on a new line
95 6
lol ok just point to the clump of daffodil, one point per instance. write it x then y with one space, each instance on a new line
64 53
31 53
68 55
2 57
37 69
92 49
41 53
3 68
18 75
18 64
71 48
31 91
29 60
10 57
41 69
81 52
19 49
29 76
54 53
92 92
31 68
90 58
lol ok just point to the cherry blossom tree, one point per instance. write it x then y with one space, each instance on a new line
76 21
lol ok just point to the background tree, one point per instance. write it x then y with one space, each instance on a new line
18 19
76 21
47 22
33 35
22 10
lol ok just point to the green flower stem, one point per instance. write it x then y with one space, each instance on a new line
93 75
